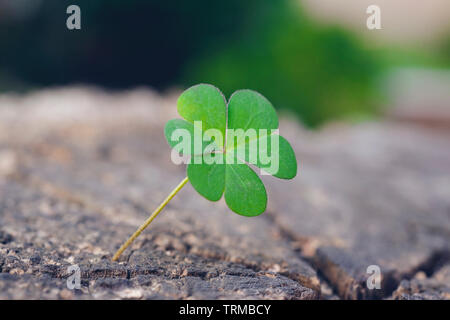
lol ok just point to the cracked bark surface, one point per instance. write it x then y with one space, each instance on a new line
423 287
80 169
373 194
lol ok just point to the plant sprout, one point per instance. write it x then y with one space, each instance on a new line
219 164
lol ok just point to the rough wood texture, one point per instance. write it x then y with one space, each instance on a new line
422 287
373 194
81 169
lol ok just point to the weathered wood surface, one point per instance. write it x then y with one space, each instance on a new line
80 169
424 287
374 194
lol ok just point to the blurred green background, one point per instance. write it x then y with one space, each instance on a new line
316 70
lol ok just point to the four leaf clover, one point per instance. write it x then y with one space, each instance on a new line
244 191
205 111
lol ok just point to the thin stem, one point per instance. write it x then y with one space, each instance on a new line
149 220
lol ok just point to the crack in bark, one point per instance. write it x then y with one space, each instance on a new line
296 244
437 260
330 272
431 265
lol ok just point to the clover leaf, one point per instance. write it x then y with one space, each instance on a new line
222 140
244 191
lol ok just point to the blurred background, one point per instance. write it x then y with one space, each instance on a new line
83 156
315 59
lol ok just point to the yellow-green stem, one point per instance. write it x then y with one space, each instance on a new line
149 220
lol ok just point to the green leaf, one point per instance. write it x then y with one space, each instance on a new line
244 191
286 159
281 164
207 179
247 109
204 103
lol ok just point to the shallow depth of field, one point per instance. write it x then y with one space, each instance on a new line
83 159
